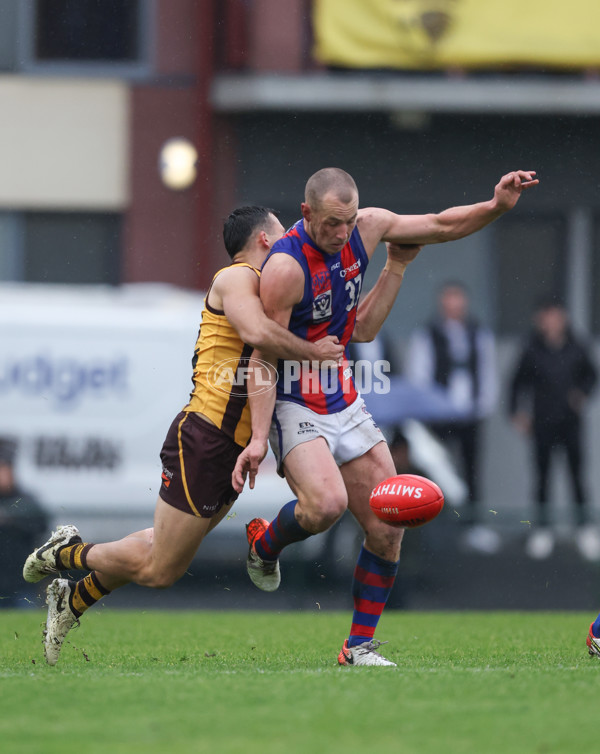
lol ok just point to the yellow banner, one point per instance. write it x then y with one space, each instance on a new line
430 34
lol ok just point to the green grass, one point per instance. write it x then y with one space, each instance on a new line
268 682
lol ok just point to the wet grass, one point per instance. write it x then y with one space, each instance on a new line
133 681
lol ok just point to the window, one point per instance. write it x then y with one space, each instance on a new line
86 30
72 247
86 36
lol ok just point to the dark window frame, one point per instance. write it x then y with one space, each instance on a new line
140 68
81 233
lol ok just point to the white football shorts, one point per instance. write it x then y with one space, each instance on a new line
349 433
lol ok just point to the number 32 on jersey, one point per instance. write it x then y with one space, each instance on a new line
353 287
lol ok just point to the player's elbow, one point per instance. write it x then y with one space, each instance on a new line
255 335
262 338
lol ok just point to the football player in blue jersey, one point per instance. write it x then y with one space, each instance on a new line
311 282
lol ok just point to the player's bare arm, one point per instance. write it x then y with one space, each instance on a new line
281 287
236 292
377 224
377 304
262 405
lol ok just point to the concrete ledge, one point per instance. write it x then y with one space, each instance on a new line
329 92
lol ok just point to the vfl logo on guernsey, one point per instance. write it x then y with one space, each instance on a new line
233 376
322 307
321 291
405 490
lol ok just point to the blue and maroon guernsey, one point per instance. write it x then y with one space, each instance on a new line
331 292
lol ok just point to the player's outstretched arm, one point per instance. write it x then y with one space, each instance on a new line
377 224
238 291
377 304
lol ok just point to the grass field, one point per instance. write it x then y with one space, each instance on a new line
225 682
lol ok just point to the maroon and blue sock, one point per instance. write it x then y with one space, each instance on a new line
596 627
282 531
371 587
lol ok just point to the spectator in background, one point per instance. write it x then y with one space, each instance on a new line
22 521
401 455
456 354
549 389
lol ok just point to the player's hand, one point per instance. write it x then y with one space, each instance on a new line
247 464
329 348
508 190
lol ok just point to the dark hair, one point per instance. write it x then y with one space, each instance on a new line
242 223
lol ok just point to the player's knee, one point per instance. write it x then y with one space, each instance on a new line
327 511
336 504
331 516
155 578
163 581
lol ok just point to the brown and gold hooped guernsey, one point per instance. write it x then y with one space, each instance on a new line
220 359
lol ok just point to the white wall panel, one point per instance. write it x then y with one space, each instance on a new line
63 144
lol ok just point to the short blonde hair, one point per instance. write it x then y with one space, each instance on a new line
330 181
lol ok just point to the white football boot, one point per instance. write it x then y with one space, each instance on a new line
42 562
364 654
60 620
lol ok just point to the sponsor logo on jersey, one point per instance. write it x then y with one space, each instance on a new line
346 272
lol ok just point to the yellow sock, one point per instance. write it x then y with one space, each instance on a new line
86 593
74 556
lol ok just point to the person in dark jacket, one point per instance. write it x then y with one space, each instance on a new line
22 522
549 389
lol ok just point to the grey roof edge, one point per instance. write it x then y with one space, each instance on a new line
345 92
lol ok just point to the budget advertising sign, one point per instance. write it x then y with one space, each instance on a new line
89 382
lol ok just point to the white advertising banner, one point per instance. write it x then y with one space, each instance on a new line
90 380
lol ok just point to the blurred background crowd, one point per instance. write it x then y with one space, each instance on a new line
131 128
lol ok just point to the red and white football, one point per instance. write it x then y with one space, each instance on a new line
407 500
